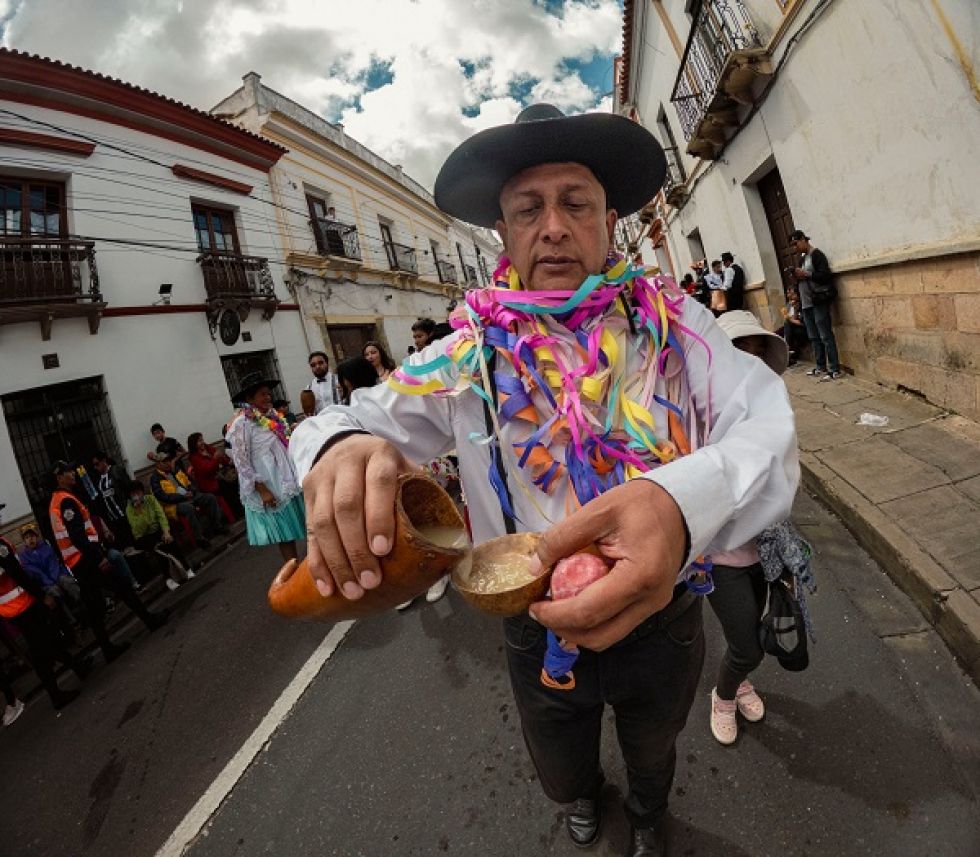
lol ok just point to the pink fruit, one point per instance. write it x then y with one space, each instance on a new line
574 573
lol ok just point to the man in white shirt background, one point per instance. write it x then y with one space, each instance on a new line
324 384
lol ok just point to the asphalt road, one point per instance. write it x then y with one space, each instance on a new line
406 741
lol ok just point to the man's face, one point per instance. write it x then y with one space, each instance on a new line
421 339
66 480
556 228
167 465
318 366
716 269
754 345
100 465
159 435
800 245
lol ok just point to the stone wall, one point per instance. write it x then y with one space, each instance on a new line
915 325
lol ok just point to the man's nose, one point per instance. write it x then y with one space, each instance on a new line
554 226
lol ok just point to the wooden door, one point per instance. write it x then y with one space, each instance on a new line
348 340
780 219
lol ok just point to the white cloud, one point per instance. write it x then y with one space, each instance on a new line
319 51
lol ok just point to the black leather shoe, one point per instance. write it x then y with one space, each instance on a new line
582 820
648 842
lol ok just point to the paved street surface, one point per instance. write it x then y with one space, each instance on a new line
406 741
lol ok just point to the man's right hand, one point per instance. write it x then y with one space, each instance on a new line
350 513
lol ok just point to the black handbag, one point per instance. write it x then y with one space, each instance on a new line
823 293
782 630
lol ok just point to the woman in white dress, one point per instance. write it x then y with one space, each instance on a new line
267 483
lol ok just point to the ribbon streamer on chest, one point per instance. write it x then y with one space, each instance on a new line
576 375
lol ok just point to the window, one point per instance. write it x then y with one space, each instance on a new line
29 207
320 209
674 160
237 366
215 230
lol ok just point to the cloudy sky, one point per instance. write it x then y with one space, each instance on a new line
408 78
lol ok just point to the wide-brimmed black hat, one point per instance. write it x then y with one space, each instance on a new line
250 383
625 158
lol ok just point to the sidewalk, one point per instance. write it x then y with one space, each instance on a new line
908 491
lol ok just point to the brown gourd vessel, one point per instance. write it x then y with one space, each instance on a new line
412 566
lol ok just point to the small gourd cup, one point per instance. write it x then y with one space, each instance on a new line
412 566
515 551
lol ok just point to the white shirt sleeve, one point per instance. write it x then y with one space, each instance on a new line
420 426
728 278
745 478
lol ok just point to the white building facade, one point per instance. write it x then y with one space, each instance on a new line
368 253
856 122
141 273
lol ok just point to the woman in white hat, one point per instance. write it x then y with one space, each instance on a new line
739 595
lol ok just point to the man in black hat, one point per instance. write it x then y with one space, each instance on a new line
83 553
553 187
733 282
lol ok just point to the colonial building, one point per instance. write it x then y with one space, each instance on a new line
140 271
856 122
367 251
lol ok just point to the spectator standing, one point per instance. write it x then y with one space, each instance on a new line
815 282
374 352
422 332
270 491
151 531
354 374
178 495
324 384
733 282
716 282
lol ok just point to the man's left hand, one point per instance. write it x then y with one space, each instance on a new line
638 527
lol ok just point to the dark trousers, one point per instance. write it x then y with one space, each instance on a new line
154 546
738 601
202 504
649 679
92 583
7 689
44 646
820 330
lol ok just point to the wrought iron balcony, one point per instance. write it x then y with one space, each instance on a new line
334 238
401 257
46 278
237 280
675 190
446 271
722 63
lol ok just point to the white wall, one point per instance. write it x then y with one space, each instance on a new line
159 367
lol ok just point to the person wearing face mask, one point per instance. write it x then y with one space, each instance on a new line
151 533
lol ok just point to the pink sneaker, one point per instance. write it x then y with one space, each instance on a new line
750 704
723 725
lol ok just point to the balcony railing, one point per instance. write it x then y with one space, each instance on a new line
721 61
336 239
471 280
46 278
446 271
401 257
675 190
36 270
234 279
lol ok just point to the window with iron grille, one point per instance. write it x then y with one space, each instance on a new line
237 366
69 421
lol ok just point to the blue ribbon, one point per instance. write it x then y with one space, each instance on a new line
558 662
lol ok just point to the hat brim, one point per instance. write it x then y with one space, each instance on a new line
625 158
247 390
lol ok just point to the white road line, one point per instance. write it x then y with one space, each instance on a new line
202 812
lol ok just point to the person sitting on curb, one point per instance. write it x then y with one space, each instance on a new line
178 495
23 604
151 530
39 559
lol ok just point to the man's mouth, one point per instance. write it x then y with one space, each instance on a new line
555 261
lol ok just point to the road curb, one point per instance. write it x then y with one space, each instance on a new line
942 601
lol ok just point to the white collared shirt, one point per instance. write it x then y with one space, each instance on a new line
740 481
327 391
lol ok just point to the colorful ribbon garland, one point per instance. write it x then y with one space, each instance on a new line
587 413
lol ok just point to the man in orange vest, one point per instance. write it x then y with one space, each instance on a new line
22 603
78 540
